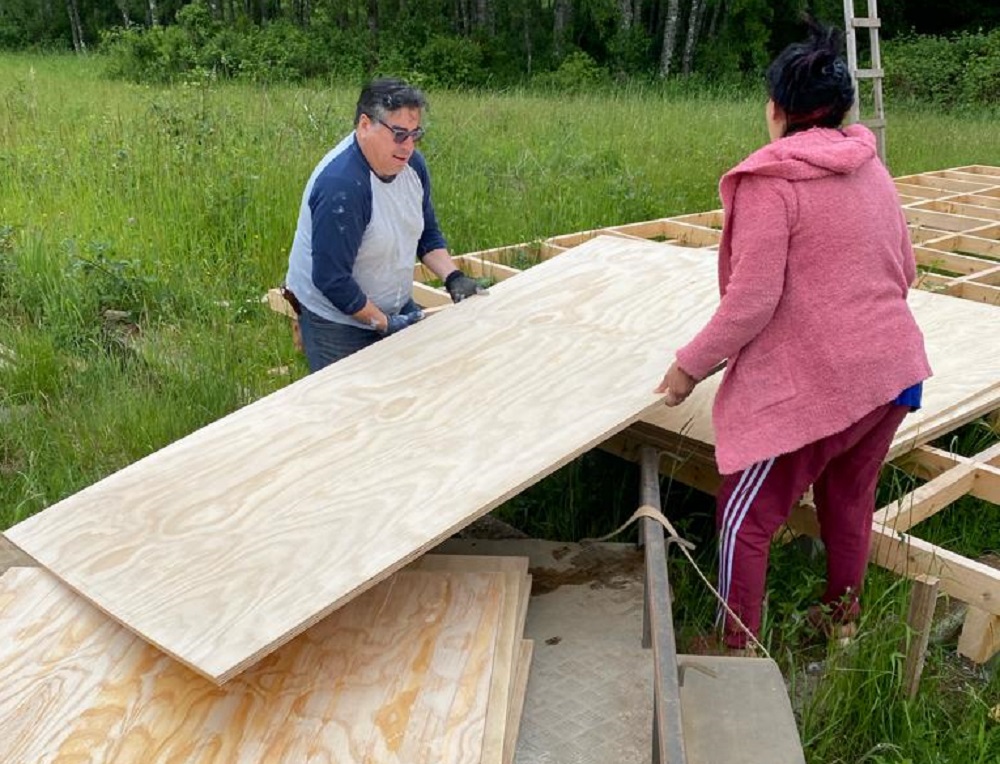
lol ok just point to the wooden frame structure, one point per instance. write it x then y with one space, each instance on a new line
954 221
953 215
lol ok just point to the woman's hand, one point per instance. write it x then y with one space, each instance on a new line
677 384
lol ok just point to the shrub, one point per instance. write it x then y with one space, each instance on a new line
964 68
577 72
451 62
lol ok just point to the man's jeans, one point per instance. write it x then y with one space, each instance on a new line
327 341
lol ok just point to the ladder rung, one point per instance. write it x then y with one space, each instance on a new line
874 123
869 74
866 22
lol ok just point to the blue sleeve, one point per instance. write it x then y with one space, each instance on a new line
431 238
341 210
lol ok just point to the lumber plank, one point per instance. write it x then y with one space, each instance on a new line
429 297
943 221
400 674
980 637
356 470
954 207
968 580
923 598
930 180
928 499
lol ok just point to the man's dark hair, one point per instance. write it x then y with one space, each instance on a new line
810 80
379 97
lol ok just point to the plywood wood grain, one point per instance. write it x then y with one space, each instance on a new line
957 334
507 664
225 544
401 674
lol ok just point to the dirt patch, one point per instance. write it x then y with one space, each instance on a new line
594 566
492 528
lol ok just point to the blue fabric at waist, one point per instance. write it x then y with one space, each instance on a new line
911 396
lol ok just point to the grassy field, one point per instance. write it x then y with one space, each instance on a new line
139 227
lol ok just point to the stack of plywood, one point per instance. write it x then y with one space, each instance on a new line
428 666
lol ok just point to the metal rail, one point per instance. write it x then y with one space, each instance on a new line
658 623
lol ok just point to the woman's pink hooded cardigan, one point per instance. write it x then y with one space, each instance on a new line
814 267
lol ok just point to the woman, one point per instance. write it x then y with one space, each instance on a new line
824 357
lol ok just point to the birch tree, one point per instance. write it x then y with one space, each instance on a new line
669 37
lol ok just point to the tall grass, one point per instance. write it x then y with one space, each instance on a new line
140 225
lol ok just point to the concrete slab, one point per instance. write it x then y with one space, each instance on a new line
737 711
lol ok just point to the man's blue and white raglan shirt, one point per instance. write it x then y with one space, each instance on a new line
358 235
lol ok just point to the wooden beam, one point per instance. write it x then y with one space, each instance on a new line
970 290
941 220
920 191
929 180
480 268
927 462
711 219
980 637
953 207
980 200
429 297
939 259
971 177
981 169
923 599
927 500
968 580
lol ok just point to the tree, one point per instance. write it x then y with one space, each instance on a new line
75 26
669 37
695 16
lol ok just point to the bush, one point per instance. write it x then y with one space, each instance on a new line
949 71
451 62
198 45
577 72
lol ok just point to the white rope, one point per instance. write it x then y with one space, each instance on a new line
652 512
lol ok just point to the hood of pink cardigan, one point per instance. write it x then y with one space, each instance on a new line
811 154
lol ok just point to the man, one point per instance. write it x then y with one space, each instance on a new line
366 213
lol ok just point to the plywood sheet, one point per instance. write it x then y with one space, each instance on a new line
960 336
227 543
507 666
401 674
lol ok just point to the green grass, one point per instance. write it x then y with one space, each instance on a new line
176 206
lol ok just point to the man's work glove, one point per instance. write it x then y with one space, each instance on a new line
400 321
460 286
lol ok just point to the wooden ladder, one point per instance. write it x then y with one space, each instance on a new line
873 72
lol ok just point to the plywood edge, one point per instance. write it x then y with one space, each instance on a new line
472 563
508 640
519 692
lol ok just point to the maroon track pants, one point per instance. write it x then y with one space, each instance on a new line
753 504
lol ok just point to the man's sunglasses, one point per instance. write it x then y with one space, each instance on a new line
400 134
